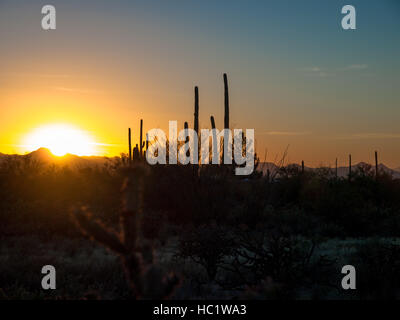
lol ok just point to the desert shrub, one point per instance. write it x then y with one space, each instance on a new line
36 198
243 233
188 199
206 245
377 264
290 263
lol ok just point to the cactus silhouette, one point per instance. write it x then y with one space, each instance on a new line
226 110
196 123
212 122
144 276
214 136
196 110
136 154
226 101
336 169
186 127
130 145
349 167
141 138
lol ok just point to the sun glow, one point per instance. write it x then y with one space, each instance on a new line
61 139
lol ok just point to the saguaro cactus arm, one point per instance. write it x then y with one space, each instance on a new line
226 102
147 280
212 122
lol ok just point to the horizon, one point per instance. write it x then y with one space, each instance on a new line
215 153
272 162
294 75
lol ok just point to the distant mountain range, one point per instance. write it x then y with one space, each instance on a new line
342 171
45 156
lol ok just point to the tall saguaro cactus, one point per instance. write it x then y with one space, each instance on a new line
196 110
226 102
141 138
226 113
376 164
214 136
130 145
196 123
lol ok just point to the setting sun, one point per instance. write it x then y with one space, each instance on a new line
61 139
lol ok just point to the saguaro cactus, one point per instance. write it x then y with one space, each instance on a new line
214 137
226 110
136 153
186 127
141 138
196 124
302 166
147 280
336 168
376 164
212 122
349 166
196 110
130 144
226 100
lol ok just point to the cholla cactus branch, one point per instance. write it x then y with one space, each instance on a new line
145 277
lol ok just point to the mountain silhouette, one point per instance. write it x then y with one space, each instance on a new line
45 156
41 154
343 171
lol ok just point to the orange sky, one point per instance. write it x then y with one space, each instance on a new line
324 92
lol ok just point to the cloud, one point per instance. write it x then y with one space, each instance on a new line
38 75
316 71
285 133
376 135
371 135
323 72
356 67
76 90
313 69
106 144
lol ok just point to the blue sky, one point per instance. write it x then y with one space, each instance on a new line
296 76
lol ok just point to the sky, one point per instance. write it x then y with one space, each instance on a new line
295 75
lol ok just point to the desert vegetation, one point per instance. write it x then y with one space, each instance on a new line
128 230
215 235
